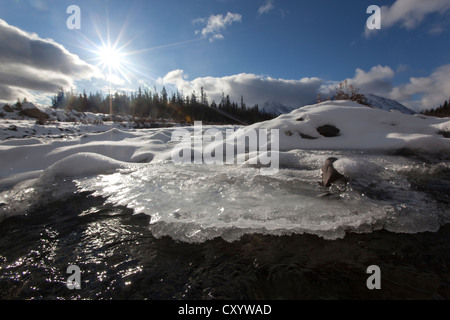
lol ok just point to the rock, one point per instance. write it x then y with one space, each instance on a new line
445 134
305 136
329 131
8 108
35 113
41 121
329 173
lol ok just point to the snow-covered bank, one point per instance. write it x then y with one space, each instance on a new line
31 121
198 202
360 128
29 111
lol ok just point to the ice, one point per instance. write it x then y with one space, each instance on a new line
197 203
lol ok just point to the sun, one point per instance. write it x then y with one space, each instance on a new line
113 62
110 58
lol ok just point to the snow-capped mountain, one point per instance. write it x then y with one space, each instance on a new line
275 108
386 104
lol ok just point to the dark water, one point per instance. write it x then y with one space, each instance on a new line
120 259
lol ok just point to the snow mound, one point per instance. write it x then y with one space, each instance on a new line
38 187
359 127
81 164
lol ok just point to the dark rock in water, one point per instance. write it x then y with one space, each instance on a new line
329 173
446 134
329 131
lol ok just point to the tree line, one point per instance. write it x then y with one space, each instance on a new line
160 105
442 112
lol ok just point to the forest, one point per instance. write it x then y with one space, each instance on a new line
160 105
442 112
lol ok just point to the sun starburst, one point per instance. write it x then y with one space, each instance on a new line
110 58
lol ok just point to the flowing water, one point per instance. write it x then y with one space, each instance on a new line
161 231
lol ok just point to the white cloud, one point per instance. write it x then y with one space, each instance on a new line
29 63
418 93
378 80
216 37
265 8
216 24
409 13
433 90
255 89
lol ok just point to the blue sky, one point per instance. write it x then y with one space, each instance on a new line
287 51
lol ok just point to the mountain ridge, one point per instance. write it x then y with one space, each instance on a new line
374 101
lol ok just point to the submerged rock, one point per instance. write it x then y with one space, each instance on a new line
329 173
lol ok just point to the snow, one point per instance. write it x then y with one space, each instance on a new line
80 164
374 101
199 202
275 108
60 123
387 104
29 105
361 128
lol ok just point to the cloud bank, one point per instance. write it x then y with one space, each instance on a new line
255 89
417 93
29 63
378 80
433 90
